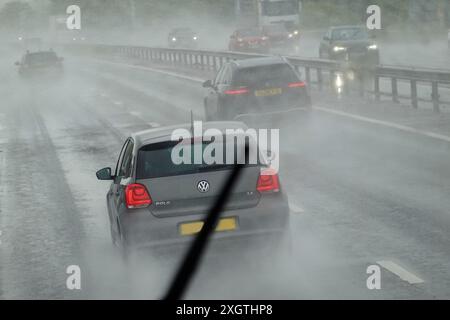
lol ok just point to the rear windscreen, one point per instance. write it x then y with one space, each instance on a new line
278 74
156 160
41 57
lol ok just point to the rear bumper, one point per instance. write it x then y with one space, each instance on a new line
270 218
236 108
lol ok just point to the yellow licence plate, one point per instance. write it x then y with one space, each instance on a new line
189 228
268 92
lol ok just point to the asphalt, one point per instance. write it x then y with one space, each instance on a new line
364 193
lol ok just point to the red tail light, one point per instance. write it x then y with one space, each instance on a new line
268 181
236 91
136 196
300 84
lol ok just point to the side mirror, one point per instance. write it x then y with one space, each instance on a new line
207 84
17 63
104 174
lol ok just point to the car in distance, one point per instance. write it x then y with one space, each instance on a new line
153 202
249 40
255 86
40 63
279 36
349 43
183 38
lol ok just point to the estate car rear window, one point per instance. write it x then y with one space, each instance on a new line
41 57
277 74
155 160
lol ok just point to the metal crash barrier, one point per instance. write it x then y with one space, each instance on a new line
341 77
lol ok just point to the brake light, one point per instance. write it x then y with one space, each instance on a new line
268 181
236 91
136 196
299 84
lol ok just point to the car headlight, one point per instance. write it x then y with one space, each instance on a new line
240 39
174 39
290 35
339 49
372 47
19 38
296 32
195 38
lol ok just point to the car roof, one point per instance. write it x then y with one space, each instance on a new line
249 29
256 62
40 52
187 29
162 134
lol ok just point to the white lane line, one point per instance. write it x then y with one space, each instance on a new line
154 124
386 124
118 103
135 113
295 208
404 274
337 112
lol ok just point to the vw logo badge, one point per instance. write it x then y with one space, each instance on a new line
203 186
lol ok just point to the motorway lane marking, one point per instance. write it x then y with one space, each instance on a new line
154 124
324 109
135 113
386 124
404 274
295 208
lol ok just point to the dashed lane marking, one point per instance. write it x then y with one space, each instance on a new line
404 274
295 208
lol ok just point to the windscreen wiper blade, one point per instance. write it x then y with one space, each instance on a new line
195 252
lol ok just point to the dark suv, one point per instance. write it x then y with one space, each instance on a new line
349 43
40 62
257 85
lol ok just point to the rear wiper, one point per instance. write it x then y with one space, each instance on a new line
214 167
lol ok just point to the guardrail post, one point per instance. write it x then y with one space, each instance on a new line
319 79
308 75
214 63
394 90
414 94
332 75
377 87
435 96
361 76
